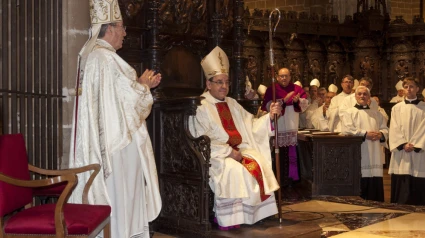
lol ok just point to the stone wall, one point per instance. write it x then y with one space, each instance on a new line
76 22
405 8
317 6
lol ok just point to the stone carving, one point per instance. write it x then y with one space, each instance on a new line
402 69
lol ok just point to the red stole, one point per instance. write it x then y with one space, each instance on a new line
235 139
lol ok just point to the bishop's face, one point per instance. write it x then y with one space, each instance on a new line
362 96
118 33
218 86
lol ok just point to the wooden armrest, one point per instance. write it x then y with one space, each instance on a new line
94 167
86 168
71 178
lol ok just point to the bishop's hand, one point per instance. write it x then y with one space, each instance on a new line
150 78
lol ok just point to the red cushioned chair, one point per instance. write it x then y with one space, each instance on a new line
60 219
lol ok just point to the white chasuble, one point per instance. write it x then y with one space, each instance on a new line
237 193
407 125
358 122
111 128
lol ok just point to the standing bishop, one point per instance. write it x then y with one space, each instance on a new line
109 127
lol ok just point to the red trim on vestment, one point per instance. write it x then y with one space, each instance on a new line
235 139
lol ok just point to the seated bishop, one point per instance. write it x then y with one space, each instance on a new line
241 174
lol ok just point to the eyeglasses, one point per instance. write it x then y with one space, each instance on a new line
350 82
283 75
221 83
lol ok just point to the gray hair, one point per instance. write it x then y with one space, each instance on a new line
322 89
103 29
363 87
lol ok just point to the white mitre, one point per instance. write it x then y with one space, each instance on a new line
299 83
399 85
333 88
101 12
215 63
315 82
423 92
261 89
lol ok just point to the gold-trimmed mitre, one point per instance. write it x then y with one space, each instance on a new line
104 11
215 63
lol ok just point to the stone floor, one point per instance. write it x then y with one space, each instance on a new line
345 217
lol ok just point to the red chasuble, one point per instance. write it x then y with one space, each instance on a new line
235 139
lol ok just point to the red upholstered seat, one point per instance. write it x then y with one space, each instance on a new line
58 220
80 219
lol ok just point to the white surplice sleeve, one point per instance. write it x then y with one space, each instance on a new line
351 128
396 132
203 124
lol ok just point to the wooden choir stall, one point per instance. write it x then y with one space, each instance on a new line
172 36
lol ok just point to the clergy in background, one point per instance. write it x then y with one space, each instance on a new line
333 112
294 101
360 120
351 100
241 174
109 128
407 143
315 102
400 93
319 119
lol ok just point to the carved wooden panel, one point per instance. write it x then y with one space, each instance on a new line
366 63
279 59
182 77
182 163
335 64
401 63
296 61
316 61
336 164
420 61
254 54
